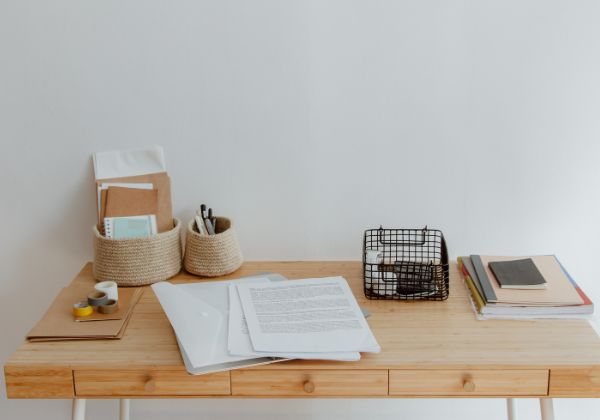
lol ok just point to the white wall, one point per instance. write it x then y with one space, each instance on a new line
307 122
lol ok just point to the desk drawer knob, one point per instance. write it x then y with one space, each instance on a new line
309 386
150 385
469 385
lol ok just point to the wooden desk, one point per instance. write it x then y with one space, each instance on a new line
429 349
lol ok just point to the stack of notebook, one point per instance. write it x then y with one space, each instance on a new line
133 193
523 288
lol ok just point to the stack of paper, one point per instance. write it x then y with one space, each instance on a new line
298 319
560 298
260 320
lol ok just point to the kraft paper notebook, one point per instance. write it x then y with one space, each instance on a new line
103 190
161 183
559 292
130 202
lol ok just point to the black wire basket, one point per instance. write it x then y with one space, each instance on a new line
405 264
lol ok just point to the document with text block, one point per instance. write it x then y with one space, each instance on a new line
310 315
239 343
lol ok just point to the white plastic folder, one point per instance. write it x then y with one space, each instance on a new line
202 327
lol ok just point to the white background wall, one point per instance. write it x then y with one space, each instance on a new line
307 122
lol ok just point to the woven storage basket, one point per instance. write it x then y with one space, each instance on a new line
138 261
212 255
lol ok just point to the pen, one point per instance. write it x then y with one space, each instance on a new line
212 219
206 220
200 225
209 227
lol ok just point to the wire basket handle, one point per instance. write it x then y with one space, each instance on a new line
401 242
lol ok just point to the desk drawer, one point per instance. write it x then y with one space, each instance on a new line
28 382
575 383
469 382
306 383
149 383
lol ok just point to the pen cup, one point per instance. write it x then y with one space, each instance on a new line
212 255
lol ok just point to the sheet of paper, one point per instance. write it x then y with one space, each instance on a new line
124 163
311 315
239 339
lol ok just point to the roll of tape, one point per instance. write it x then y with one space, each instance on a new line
109 307
82 309
110 288
373 256
97 298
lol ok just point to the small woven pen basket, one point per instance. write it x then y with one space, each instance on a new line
212 255
138 261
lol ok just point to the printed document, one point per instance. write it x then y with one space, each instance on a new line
239 343
311 315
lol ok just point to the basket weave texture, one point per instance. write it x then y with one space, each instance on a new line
138 261
213 255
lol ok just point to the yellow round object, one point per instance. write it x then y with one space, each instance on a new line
81 309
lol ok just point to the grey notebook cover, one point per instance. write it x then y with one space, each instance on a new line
471 270
485 281
518 274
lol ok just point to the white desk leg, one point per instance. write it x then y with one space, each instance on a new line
511 408
547 408
78 412
124 408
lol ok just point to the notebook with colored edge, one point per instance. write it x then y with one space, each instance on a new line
130 227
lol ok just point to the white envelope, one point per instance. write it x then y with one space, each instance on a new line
125 163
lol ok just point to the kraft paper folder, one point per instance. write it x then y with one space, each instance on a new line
58 323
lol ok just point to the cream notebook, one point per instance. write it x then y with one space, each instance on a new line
559 291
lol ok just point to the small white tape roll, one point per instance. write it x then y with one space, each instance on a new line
373 256
110 288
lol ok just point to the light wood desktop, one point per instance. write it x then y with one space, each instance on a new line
429 349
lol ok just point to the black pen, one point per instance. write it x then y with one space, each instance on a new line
212 219
209 226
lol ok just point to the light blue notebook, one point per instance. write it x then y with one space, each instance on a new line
130 227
